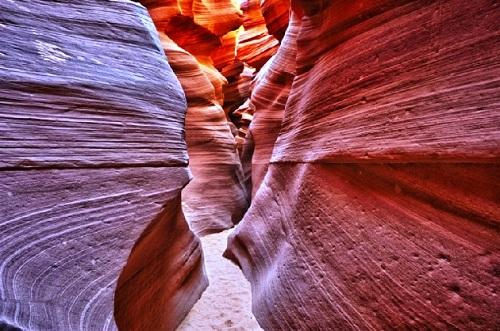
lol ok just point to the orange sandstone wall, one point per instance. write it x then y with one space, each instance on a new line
215 50
196 38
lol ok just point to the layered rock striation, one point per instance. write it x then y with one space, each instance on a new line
215 199
196 38
369 142
379 209
276 14
268 100
215 50
93 161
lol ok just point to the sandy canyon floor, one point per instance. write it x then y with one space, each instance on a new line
227 302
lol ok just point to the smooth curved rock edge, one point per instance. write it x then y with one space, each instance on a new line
215 49
91 170
379 209
215 199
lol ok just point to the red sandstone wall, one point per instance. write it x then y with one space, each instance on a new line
379 209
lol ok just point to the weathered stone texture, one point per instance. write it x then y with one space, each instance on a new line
92 163
379 209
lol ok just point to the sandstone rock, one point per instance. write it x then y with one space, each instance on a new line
380 206
243 116
256 45
414 103
196 47
215 199
333 246
225 56
93 161
238 90
192 37
269 97
219 16
276 14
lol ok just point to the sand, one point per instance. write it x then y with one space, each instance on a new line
226 304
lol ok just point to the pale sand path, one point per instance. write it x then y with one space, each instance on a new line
226 304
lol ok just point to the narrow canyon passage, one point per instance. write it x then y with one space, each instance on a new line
227 302
246 165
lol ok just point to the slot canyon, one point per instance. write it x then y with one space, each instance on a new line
249 165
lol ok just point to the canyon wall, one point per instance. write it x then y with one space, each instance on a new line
379 208
268 99
215 199
215 50
365 133
199 37
93 161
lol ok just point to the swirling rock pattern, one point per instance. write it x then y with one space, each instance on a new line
93 161
218 16
269 97
216 198
256 45
380 206
211 146
276 14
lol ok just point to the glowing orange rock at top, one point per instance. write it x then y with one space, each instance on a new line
276 14
219 16
195 25
256 45
192 37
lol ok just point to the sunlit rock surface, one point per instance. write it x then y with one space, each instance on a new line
92 164
219 16
379 209
256 45
276 14
216 198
